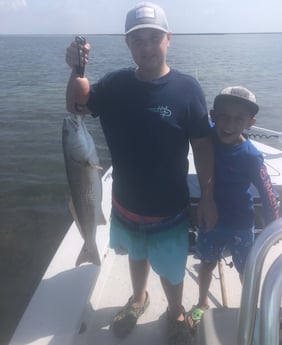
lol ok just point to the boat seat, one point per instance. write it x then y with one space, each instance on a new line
219 326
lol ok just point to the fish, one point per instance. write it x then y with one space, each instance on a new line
83 175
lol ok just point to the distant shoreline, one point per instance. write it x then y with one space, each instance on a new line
175 34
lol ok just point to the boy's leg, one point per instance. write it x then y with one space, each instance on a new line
210 245
205 277
209 248
240 245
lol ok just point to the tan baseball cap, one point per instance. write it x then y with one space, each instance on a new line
240 94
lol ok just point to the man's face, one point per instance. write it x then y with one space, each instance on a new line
148 47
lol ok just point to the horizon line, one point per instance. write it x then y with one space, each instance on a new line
122 34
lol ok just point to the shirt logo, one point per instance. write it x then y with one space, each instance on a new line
163 111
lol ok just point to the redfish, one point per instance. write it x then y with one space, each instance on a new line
83 175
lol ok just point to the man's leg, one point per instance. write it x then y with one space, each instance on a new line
177 328
122 239
126 319
139 272
174 299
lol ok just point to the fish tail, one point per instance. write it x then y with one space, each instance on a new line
85 256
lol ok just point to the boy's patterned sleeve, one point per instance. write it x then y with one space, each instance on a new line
266 191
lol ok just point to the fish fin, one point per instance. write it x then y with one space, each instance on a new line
95 166
73 212
86 256
102 219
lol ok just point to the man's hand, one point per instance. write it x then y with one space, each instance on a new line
72 56
78 88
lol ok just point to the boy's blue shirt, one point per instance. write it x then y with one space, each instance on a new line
236 168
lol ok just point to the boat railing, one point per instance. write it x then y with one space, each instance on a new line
251 282
264 133
270 304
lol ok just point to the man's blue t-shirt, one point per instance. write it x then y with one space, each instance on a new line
147 126
236 168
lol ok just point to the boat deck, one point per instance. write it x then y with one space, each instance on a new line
75 305
113 289
71 307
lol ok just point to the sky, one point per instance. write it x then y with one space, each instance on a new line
107 16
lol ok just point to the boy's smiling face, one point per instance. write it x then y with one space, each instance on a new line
231 119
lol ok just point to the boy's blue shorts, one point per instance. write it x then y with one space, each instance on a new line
166 250
210 244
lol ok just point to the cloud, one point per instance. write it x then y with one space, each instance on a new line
12 5
107 16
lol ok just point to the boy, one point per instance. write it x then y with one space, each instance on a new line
149 114
237 164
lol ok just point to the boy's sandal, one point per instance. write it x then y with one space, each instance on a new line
194 317
178 331
126 319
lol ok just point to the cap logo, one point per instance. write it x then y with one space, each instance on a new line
240 92
145 12
145 15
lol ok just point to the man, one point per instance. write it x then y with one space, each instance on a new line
149 114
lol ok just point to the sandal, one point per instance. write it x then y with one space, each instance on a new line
178 331
195 316
126 319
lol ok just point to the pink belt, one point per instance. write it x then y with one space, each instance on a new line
134 216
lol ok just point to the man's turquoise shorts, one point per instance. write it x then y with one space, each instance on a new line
166 250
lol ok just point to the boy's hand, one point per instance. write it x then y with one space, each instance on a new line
72 58
207 213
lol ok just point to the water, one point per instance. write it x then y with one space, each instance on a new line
33 190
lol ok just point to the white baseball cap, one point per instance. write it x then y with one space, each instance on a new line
146 15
